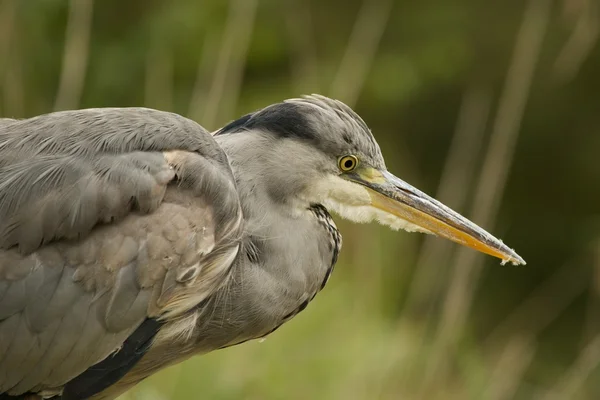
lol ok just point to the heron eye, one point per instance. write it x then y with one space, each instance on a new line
348 163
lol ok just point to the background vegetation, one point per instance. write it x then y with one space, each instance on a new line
492 106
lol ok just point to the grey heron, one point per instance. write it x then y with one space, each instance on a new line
132 239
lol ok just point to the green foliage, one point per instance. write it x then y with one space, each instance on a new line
374 333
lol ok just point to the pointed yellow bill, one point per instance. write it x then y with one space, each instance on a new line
394 196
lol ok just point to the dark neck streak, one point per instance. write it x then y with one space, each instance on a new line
335 243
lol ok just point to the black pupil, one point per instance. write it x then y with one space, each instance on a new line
348 163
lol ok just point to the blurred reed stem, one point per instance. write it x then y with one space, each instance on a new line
574 378
227 80
8 11
75 55
361 49
205 70
12 88
305 65
508 373
586 31
542 306
453 190
490 187
158 87
592 321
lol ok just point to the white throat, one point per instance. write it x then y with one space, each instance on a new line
352 201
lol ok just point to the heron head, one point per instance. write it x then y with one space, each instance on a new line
318 150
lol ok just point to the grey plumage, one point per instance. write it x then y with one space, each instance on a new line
132 239
88 253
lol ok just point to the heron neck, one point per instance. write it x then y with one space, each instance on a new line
246 153
288 256
268 221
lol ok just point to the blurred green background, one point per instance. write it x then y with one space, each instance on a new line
492 106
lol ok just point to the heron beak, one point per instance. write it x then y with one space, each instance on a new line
394 196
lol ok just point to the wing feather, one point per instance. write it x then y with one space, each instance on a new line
108 217
17 353
41 346
14 300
